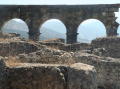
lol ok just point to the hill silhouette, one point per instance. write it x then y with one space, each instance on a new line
47 33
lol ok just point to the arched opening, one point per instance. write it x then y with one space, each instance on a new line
117 15
17 26
52 29
118 21
89 30
118 31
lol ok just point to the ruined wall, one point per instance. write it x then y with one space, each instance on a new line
108 47
42 76
67 47
48 56
70 15
55 40
15 48
58 53
108 69
2 74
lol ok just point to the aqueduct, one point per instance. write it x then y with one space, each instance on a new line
70 15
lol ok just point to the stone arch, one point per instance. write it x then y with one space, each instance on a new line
118 21
16 25
90 29
118 31
53 26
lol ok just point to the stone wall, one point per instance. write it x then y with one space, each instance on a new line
108 69
108 47
47 55
67 47
52 53
42 76
49 75
14 48
55 40
2 74
70 15
8 35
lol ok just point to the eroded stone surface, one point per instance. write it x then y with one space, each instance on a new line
107 47
108 69
71 15
80 76
45 76
15 48
47 55
2 74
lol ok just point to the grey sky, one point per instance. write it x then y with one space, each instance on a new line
59 1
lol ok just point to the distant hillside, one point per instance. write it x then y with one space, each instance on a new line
23 34
47 33
83 40
16 24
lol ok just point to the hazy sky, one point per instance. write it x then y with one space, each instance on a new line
54 24
59 1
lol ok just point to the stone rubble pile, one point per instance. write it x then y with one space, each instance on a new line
104 57
47 55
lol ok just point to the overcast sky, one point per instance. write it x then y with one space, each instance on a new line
59 1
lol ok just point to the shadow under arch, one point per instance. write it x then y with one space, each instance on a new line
16 25
52 29
90 29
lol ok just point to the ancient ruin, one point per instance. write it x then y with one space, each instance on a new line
70 15
52 64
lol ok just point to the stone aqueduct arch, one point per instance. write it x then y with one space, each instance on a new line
59 23
70 15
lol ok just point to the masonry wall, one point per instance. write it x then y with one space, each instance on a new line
15 48
41 76
108 47
70 15
108 70
67 47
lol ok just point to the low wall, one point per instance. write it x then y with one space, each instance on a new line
111 46
3 74
47 56
67 47
108 69
14 48
55 40
42 76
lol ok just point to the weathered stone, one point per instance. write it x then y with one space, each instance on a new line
67 47
81 76
55 40
2 74
2 63
43 76
108 69
35 77
16 47
47 55
108 47
71 15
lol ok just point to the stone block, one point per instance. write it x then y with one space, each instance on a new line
35 77
81 76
